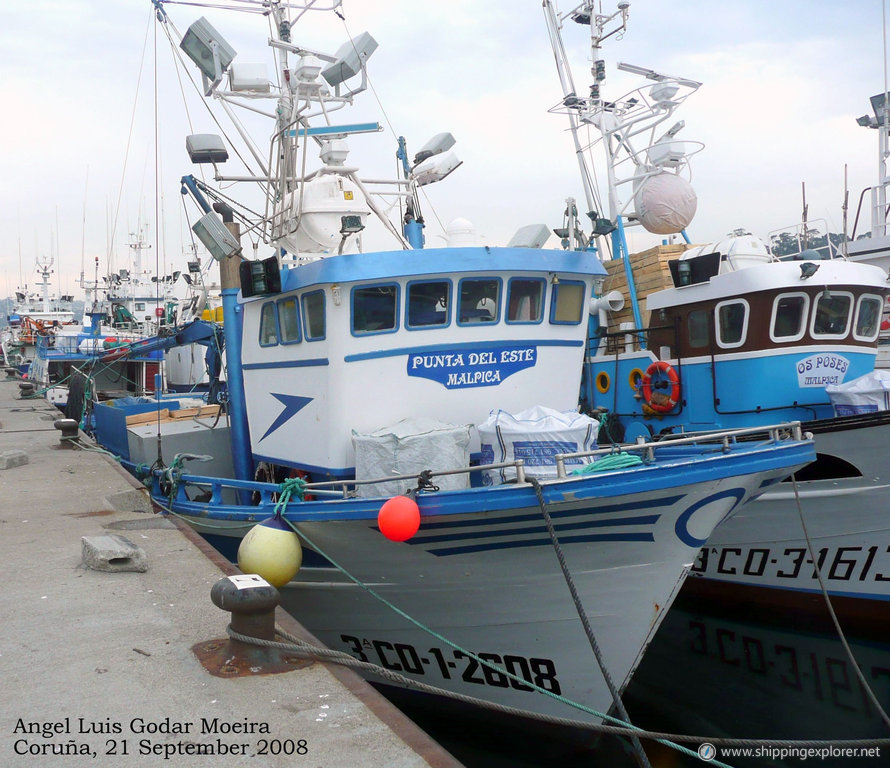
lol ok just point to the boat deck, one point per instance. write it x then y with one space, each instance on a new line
111 653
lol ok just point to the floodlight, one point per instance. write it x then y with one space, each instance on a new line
350 225
878 106
435 168
530 236
206 48
350 59
216 238
866 121
603 227
307 68
808 269
441 142
206 148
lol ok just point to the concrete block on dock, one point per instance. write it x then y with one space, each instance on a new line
134 500
10 459
112 553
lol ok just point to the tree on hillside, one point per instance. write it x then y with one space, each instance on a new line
787 244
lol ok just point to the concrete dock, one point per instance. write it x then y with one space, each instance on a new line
97 668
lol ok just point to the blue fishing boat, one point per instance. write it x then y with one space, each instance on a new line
693 337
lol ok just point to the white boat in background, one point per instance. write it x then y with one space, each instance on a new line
138 299
337 357
77 362
35 310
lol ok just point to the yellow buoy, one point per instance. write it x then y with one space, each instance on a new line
272 550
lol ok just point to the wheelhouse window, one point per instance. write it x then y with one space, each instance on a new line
789 314
868 318
567 304
525 300
313 315
697 328
732 323
289 320
480 300
832 315
375 309
429 303
268 325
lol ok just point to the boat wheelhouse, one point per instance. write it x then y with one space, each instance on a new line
356 343
759 341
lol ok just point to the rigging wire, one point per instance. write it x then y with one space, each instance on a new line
120 195
390 125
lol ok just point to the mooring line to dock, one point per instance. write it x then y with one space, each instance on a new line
837 625
585 622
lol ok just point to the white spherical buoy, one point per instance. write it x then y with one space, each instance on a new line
272 550
665 204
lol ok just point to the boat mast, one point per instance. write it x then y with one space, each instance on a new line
44 264
647 164
879 195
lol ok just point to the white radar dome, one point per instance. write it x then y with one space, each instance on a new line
461 233
665 204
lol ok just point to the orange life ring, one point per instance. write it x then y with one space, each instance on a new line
658 401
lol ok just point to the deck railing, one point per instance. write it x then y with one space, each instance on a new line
346 488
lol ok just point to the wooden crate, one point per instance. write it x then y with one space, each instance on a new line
188 413
651 274
136 419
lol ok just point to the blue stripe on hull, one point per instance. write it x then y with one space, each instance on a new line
543 542
665 501
639 520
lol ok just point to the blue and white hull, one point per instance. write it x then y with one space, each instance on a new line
482 571
845 515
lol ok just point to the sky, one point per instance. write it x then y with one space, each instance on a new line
83 157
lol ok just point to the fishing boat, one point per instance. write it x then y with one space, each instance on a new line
139 301
725 334
187 367
34 311
97 356
338 358
77 362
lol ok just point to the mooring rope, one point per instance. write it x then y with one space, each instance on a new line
837 625
585 621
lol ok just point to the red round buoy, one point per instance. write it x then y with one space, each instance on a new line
399 518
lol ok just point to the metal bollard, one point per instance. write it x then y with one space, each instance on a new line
251 600
69 429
